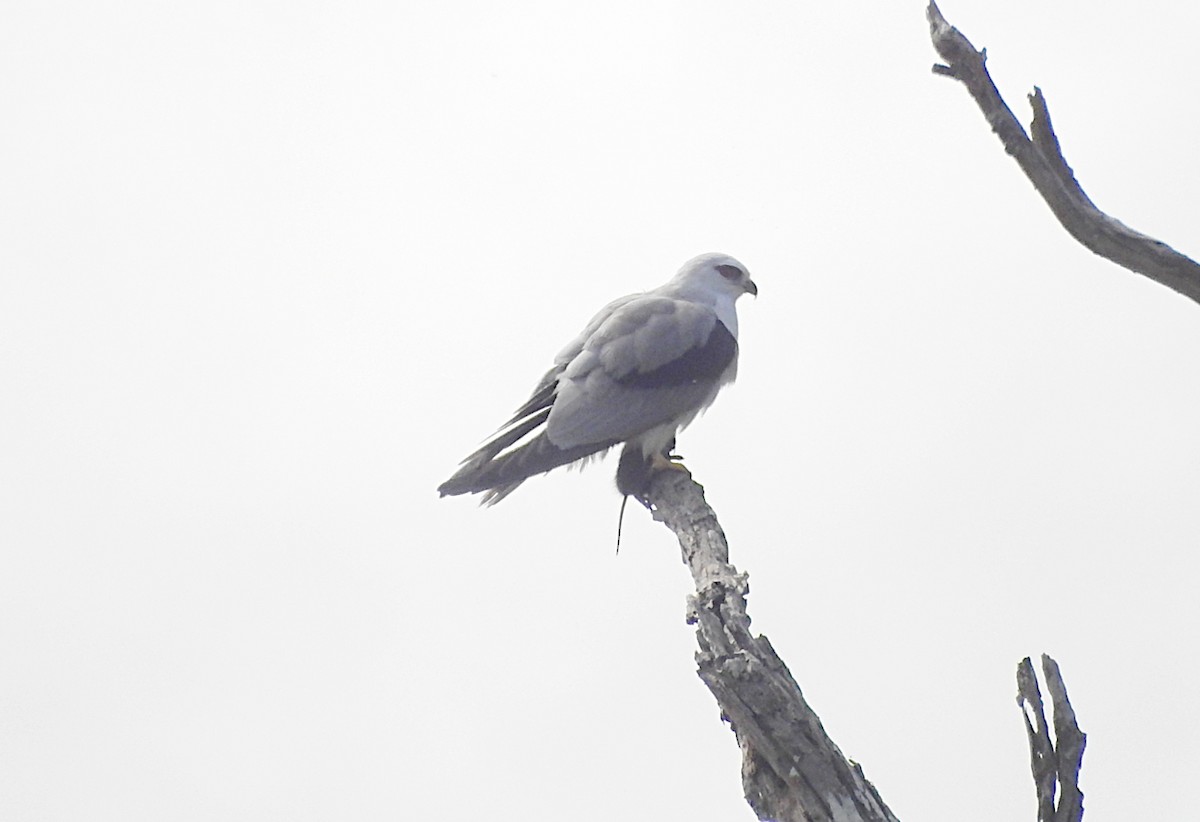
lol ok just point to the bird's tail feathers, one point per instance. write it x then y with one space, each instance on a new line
497 475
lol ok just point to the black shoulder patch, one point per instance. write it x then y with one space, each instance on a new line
705 362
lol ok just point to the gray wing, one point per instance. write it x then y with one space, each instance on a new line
651 360
641 362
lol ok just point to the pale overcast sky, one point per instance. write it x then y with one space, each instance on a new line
269 270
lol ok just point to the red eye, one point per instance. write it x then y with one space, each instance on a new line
731 272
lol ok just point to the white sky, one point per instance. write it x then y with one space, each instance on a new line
268 271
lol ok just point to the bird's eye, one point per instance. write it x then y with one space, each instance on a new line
731 272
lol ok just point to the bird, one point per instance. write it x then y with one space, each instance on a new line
642 369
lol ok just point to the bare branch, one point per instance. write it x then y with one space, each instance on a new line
1069 745
1042 161
1055 762
1041 748
791 770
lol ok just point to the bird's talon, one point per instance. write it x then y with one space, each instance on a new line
661 462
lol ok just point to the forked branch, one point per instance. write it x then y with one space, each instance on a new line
1055 761
1041 158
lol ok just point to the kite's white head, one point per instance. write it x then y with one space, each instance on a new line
714 275
716 280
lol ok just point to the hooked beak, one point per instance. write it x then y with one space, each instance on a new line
751 288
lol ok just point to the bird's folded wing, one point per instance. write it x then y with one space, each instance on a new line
652 360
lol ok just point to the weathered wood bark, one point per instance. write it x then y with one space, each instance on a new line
1042 161
791 770
1055 762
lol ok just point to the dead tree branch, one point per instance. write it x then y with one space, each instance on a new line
1055 762
1042 161
791 770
